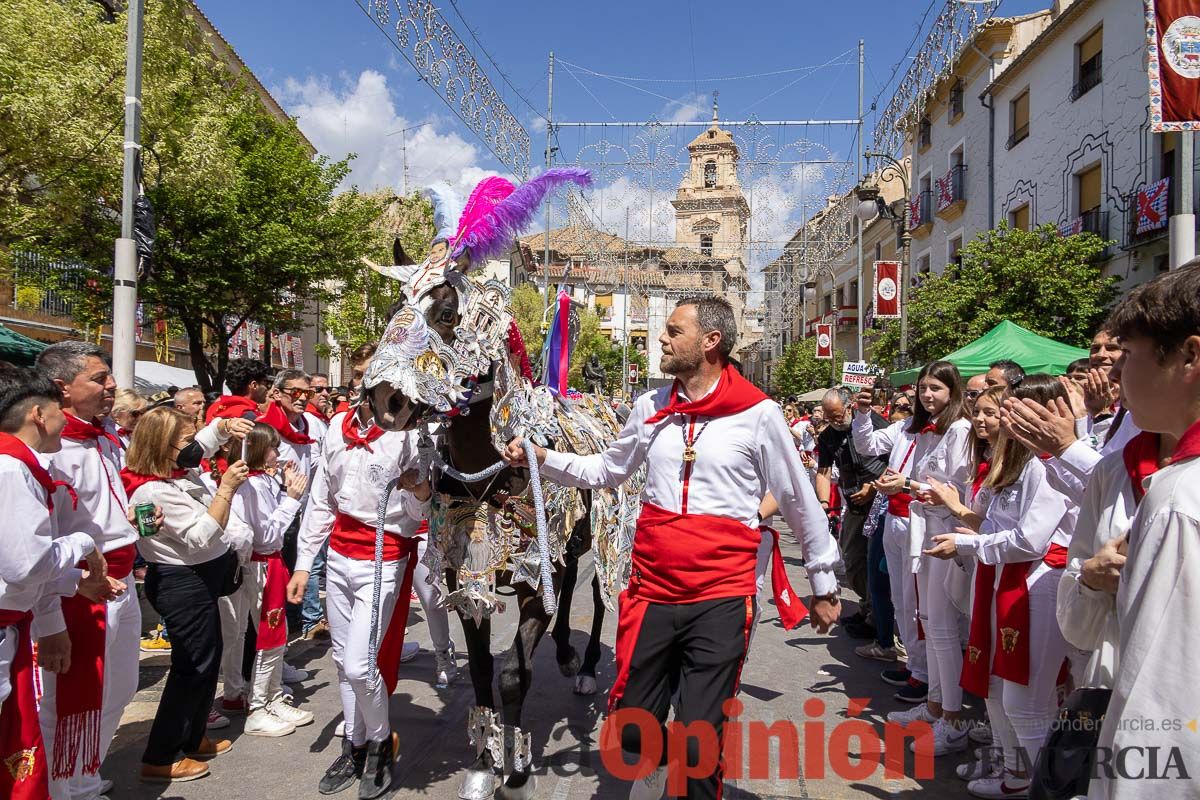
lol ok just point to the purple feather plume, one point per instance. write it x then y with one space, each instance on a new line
492 234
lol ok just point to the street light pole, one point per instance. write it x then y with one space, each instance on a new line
871 194
125 257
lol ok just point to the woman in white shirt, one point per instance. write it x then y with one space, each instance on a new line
190 566
1018 530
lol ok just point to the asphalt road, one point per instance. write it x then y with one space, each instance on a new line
797 677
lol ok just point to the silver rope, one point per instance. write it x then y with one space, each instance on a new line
377 588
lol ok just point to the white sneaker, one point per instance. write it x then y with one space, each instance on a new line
1001 788
106 786
217 720
918 713
650 787
987 765
445 669
980 733
289 713
340 730
262 722
947 738
409 652
293 675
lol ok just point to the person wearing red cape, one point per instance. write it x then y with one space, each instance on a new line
353 468
713 446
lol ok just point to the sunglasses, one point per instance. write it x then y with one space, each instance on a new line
901 407
298 394
320 389
972 394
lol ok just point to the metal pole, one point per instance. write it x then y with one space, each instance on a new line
549 160
858 222
833 304
1183 222
905 280
625 310
404 157
125 260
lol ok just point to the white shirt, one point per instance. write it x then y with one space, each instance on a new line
318 427
1088 618
267 510
350 480
1021 520
38 565
740 458
93 469
1158 609
1073 469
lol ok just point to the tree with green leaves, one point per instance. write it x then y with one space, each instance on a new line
800 370
1041 280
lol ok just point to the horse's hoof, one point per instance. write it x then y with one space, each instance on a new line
477 784
585 685
523 791
570 667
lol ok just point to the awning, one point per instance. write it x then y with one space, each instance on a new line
150 377
17 348
1007 340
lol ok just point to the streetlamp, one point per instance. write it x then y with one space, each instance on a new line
870 206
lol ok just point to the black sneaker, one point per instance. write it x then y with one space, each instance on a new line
344 771
377 774
914 691
896 677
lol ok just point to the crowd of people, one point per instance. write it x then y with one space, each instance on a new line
1022 538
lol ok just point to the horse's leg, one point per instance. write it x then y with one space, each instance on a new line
516 675
564 653
479 780
585 681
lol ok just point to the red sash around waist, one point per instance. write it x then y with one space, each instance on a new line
897 504
24 774
272 621
355 539
688 558
1012 657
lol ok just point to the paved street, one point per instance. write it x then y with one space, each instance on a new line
785 670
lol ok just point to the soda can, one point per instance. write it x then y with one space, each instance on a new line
144 514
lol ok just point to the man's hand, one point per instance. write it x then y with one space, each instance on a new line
863 401
1043 429
823 612
96 563
1075 397
862 495
238 427
1099 393
514 454
890 483
297 586
412 481
54 652
1102 572
943 547
131 515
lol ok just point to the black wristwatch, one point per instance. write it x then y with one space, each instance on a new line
832 597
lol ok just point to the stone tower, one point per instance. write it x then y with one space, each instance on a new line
711 212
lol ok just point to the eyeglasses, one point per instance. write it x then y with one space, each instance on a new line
972 394
901 407
321 389
298 393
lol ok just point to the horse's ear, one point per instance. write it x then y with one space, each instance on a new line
399 257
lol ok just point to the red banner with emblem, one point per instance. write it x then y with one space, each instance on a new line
824 340
887 290
1173 64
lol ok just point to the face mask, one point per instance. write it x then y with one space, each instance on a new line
190 456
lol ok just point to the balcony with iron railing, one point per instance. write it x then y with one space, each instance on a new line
951 192
1019 135
1155 226
920 219
45 287
1090 76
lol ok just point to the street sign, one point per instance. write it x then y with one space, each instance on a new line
633 374
859 374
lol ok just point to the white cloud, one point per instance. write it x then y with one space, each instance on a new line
357 115
688 108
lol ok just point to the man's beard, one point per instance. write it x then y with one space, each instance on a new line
676 362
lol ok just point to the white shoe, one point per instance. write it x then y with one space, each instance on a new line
987 765
1001 788
340 730
106 786
409 651
650 787
289 713
980 733
947 738
262 722
445 669
293 675
918 713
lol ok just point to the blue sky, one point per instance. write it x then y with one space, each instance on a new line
330 66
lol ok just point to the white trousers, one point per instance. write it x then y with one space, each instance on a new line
124 632
1021 716
236 609
904 596
8 651
940 619
349 584
268 677
427 593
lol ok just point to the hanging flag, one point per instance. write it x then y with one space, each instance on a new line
556 353
1173 64
297 352
824 340
914 212
1152 206
1071 227
887 290
945 191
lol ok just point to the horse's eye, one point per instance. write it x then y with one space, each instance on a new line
446 316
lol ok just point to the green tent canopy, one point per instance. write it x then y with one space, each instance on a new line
18 349
1007 340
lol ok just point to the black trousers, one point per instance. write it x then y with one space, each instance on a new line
186 597
854 554
693 651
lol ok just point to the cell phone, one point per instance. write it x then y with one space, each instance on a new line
243 450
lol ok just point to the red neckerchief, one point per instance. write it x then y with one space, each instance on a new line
276 417
981 473
1141 461
1189 444
732 395
122 431
355 439
12 446
79 431
134 480
231 406
316 412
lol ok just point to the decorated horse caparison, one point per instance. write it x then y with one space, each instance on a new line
451 364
